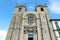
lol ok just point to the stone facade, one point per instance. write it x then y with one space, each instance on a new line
31 25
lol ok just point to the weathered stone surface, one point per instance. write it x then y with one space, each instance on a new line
39 27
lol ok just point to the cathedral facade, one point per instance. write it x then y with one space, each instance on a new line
31 25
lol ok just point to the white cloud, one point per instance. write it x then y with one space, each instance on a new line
3 34
54 6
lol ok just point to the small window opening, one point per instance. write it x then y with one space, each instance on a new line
20 9
30 38
42 9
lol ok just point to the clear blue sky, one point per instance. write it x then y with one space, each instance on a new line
7 10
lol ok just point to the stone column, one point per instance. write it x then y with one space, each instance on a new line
15 30
35 35
9 34
52 34
39 30
22 30
26 35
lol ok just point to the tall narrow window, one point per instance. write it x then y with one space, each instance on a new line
57 26
42 9
30 20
